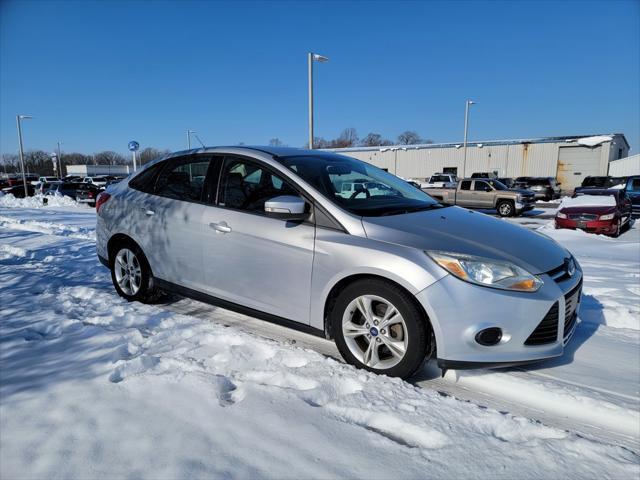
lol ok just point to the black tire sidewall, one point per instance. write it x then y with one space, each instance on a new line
417 325
142 293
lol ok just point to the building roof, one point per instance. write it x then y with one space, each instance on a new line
489 143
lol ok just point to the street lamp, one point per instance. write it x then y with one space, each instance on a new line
468 103
311 58
189 132
59 160
24 178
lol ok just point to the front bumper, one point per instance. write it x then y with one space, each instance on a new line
606 227
459 310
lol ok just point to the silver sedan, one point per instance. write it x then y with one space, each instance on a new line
339 248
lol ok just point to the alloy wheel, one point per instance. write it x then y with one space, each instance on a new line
128 271
375 332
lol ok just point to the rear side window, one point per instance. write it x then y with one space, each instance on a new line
465 185
183 179
145 181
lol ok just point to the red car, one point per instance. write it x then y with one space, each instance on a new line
596 211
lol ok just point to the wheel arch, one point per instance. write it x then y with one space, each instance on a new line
348 280
120 239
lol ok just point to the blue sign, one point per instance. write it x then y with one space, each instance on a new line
133 145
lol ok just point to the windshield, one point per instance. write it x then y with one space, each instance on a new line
359 187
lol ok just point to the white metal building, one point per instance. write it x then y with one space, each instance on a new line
94 170
569 159
625 166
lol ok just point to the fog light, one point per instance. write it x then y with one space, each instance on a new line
489 336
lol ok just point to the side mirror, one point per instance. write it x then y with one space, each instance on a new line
488 189
286 207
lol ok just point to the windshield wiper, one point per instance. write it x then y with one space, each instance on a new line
403 210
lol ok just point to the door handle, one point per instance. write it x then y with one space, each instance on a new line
147 212
221 227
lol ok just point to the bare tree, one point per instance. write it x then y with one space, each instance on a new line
276 142
319 142
409 137
109 158
374 140
150 153
348 138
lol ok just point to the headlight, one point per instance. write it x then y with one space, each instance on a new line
486 272
608 216
561 215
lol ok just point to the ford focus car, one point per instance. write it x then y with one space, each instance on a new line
393 276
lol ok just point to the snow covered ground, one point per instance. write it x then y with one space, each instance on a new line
94 387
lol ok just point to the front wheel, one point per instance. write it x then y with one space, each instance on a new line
506 208
131 274
378 327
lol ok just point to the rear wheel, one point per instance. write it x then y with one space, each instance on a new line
505 208
131 274
377 326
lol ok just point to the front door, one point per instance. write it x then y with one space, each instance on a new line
482 194
249 258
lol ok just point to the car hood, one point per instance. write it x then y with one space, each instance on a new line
603 210
454 229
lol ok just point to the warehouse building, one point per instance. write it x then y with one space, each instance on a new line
96 170
569 159
625 167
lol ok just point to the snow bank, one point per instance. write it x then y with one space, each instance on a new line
37 201
594 141
589 201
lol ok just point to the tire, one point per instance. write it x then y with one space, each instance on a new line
616 234
403 347
506 208
133 264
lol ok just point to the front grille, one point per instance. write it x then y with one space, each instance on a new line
547 329
571 304
583 216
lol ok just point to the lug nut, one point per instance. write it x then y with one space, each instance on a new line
378 340
367 325
375 322
383 331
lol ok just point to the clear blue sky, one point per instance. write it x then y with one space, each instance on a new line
97 74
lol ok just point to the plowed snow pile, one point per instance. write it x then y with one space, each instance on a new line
94 387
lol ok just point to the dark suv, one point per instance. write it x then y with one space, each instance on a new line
544 188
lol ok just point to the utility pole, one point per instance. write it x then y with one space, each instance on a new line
466 127
24 178
311 57
59 160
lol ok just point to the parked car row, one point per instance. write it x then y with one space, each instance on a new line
81 189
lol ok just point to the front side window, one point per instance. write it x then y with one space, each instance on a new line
358 187
635 185
481 186
183 179
247 186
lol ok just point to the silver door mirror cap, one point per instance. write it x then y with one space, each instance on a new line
286 206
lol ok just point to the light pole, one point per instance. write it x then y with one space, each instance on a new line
467 104
311 57
24 178
189 132
59 160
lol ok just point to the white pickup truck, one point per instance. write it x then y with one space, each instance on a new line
440 180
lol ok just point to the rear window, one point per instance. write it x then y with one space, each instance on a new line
538 181
440 178
146 179
465 185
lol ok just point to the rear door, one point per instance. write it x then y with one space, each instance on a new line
464 194
170 220
249 258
